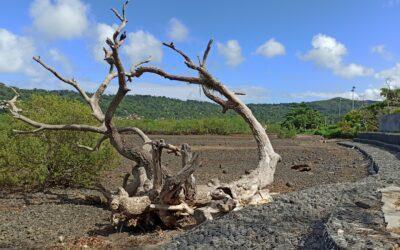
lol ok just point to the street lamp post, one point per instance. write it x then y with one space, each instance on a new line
352 96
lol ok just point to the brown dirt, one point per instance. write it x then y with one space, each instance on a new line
40 219
228 158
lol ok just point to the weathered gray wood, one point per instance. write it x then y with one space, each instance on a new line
173 185
190 189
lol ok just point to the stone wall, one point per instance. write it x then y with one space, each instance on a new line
390 123
388 138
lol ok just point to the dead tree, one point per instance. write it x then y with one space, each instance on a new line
155 191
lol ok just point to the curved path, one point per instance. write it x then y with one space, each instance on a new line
344 215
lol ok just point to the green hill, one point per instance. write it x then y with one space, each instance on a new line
155 107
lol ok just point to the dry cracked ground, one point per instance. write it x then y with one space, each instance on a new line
61 218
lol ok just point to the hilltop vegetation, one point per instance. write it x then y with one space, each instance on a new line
156 108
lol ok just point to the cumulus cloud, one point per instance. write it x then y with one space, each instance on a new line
59 19
368 94
140 45
254 94
177 31
232 52
15 52
103 31
172 90
382 51
329 53
391 74
271 48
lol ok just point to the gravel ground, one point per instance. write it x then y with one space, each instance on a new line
344 215
63 218
228 158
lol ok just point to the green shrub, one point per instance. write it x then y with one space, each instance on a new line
333 131
286 133
302 118
51 157
273 128
213 125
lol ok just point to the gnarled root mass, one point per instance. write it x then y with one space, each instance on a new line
165 196
172 199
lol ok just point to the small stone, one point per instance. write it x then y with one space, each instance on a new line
61 239
224 171
247 172
289 184
363 204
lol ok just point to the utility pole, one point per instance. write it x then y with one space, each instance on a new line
362 100
352 96
388 80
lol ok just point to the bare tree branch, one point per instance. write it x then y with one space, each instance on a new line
141 70
117 14
96 147
172 46
206 52
14 110
161 144
115 137
71 82
137 131
122 25
93 101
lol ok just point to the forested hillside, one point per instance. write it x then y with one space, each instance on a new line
152 107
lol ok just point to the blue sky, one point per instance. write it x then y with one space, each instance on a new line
275 51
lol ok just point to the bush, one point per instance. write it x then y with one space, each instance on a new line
333 131
302 118
51 157
213 125
273 128
286 133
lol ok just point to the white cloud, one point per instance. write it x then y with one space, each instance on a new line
172 90
232 52
368 94
353 70
58 57
329 53
15 52
392 74
138 45
60 19
382 51
103 31
372 94
141 45
271 48
177 31
254 94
